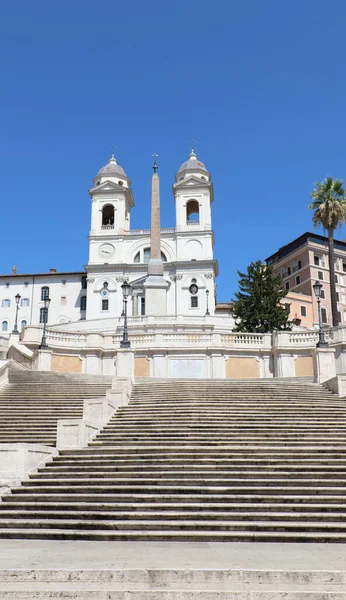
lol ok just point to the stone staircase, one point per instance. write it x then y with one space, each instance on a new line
33 401
197 461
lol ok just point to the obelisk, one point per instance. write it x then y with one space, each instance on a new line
155 285
155 265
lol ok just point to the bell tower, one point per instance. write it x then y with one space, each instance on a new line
111 202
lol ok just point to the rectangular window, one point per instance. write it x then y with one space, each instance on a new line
344 267
339 317
303 311
288 270
320 275
142 306
63 300
323 295
316 260
336 278
297 265
298 280
194 301
287 285
6 302
25 302
83 302
105 304
287 307
324 315
84 282
337 296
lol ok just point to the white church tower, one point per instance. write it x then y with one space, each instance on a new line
193 194
111 202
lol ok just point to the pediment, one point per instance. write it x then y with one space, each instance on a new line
192 180
107 186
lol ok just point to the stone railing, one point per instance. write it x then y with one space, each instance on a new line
147 231
188 334
246 340
3 373
61 338
21 355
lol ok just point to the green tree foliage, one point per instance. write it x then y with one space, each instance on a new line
257 304
329 204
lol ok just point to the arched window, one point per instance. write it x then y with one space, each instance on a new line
145 256
108 216
23 324
192 212
43 315
44 293
4 326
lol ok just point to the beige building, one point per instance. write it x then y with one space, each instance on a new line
302 262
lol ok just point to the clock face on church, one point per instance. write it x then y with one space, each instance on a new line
106 251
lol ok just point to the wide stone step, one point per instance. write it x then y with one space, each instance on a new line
293 507
184 495
188 535
204 475
97 462
173 525
168 514
185 487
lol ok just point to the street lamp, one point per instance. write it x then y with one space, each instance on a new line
46 303
207 295
126 288
317 287
17 299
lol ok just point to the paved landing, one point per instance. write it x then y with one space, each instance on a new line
40 554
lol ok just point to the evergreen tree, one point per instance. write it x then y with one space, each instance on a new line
257 304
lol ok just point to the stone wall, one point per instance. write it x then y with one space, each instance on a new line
66 363
142 366
242 367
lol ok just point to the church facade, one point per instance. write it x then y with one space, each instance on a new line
93 296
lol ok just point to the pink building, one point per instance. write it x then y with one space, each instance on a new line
300 264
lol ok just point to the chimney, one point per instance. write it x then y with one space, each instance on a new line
52 270
14 270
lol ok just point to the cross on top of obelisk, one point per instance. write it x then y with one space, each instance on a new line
155 166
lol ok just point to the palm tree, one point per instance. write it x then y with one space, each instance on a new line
329 204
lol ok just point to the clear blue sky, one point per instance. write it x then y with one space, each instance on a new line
260 85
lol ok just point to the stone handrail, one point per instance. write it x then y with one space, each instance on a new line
21 355
187 334
295 339
246 340
3 373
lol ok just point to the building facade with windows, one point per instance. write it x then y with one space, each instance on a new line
67 292
92 298
302 262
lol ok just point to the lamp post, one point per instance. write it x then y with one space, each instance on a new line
126 288
317 287
46 303
207 295
17 299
